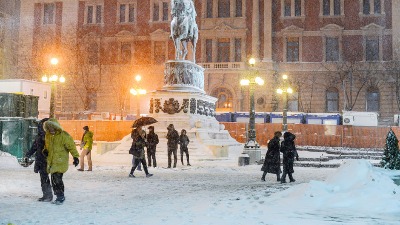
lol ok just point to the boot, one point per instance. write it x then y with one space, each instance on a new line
291 178
283 178
132 171
59 200
47 193
278 177
263 176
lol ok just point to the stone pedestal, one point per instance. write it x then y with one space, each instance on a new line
183 103
254 154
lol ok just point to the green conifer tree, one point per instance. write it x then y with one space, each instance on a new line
391 154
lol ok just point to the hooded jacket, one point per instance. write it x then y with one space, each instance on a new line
58 145
37 149
88 140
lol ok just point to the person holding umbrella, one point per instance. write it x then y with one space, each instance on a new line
139 142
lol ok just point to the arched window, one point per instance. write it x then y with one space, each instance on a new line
224 96
373 98
332 100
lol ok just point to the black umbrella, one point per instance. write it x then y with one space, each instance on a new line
144 121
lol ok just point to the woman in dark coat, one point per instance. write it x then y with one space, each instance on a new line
272 162
152 141
41 163
289 154
137 150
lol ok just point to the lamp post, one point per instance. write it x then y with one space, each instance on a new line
251 81
136 92
53 80
284 91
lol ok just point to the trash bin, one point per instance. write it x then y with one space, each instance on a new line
244 159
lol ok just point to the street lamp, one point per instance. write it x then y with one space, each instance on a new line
251 81
136 92
53 80
284 91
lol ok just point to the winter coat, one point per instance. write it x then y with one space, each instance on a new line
289 152
152 141
37 149
88 140
138 143
173 139
58 145
184 142
272 162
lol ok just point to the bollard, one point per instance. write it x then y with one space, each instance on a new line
244 159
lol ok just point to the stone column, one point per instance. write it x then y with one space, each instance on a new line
267 31
255 30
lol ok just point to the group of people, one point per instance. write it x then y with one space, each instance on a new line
52 147
150 141
272 162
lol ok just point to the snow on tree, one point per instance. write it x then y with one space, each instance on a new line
391 154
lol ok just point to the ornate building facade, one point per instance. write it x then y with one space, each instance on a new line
338 54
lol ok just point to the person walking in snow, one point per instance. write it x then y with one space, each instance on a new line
137 150
172 143
272 162
86 145
41 162
138 166
289 151
152 141
184 142
58 144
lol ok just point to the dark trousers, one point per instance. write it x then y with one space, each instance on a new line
58 184
45 183
284 176
137 162
170 151
186 151
151 155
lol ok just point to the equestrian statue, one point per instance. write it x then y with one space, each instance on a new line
184 27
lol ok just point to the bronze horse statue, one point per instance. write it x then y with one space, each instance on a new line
183 27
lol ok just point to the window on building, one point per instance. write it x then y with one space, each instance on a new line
332 49
126 53
94 14
238 50
287 7
224 8
297 7
366 7
165 11
291 8
209 10
373 99
372 7
293 102
372 49
126 13
224 97
93 54
331 7
292 49
336 7
326 7
377 6
156 12
332 100
98 13
159 52
208 50
239 8
48 13
223 50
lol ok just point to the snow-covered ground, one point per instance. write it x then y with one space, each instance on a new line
209 192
